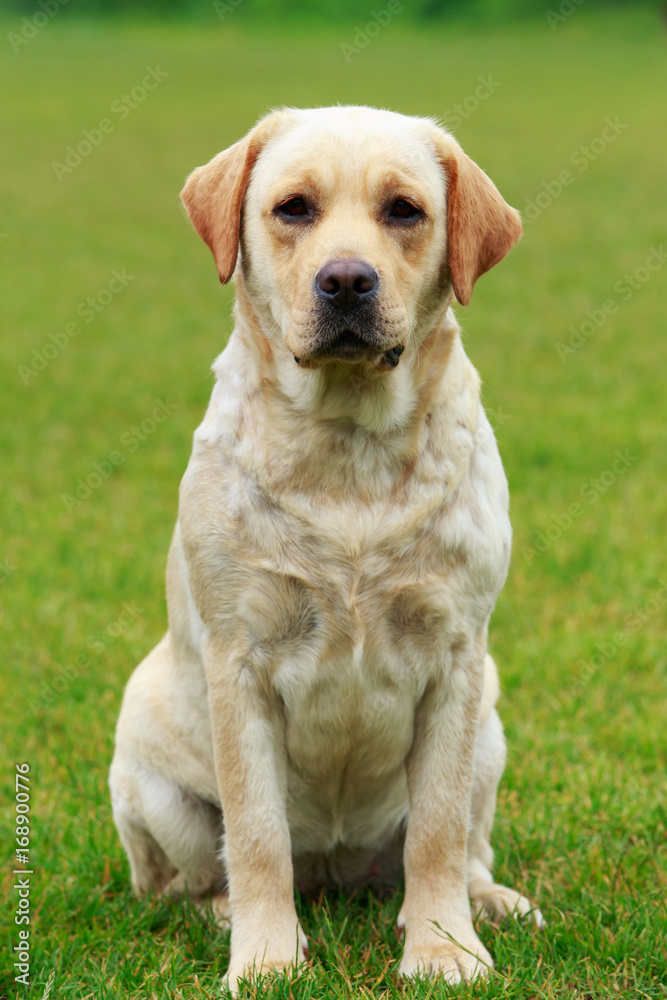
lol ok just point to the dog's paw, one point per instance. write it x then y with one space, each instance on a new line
492 901
266 961
451 961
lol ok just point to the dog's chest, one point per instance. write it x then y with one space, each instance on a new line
353 660
349 635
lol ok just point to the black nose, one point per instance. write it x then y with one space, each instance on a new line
346 283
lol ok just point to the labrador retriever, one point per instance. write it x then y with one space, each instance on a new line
321 709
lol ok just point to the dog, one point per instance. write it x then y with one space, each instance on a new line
322 707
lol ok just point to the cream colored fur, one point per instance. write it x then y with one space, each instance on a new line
322 706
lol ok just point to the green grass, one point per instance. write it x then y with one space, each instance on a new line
581 812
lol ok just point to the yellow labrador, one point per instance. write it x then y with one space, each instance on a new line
322 706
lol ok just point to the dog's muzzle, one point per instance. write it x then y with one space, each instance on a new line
346 292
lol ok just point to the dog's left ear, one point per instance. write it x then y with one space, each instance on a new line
481 226
213 195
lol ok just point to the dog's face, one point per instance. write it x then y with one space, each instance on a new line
343 241
355 225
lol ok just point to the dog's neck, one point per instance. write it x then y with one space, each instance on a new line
337 422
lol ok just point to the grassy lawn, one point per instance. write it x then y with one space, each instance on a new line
579 631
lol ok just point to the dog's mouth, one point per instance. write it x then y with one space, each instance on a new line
351 346
346 345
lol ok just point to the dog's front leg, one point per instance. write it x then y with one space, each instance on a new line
439 934
251 772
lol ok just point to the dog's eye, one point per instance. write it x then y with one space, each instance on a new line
402 209
293 208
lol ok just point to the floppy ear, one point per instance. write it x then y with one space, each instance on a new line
481 226
213 195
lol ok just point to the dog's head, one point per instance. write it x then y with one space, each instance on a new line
354 228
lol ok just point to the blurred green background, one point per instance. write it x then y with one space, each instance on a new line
102 118
324 11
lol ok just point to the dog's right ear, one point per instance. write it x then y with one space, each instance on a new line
213 195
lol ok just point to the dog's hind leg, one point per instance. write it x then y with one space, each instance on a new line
489 898
150 868
161 787
172 836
